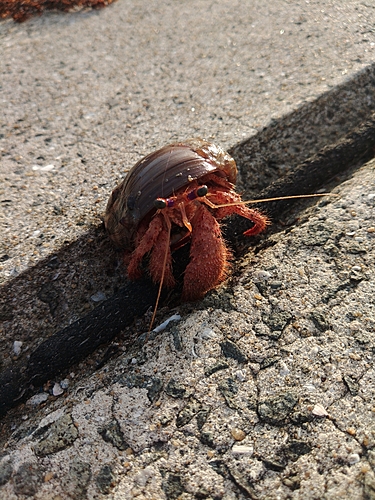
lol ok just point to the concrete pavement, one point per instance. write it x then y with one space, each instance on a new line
84 96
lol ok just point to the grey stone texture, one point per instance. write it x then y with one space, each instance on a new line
265 389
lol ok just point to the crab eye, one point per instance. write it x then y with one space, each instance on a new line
197 193
202 191
160 203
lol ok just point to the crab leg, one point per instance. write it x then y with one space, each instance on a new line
161 257
145 245
223 198
208 256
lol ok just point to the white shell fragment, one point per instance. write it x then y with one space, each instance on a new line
243 449
261 275
309 387
46 168
353 458
57 389
208 333
319 411
17 345
163 326
241 375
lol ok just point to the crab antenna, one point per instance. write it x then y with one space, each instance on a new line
168 222
212 205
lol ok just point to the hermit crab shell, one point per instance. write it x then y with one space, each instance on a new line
159 175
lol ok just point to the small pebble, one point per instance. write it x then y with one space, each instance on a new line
142 477
98 297
255 368
37 399
238 434
241 375
353 458
50 475
17 345
64 384
261 275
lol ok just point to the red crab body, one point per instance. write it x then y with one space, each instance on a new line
189 211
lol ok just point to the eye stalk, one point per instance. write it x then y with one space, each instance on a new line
199 192
161 203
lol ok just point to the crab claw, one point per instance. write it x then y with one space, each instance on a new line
209 256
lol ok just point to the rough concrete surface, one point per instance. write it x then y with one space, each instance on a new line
265 389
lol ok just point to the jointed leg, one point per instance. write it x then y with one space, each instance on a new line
161 258
221 198
144 246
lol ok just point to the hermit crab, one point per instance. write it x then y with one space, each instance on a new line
173 196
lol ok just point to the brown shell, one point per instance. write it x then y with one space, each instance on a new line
159 175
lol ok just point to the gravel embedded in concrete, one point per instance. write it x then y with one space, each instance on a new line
84 96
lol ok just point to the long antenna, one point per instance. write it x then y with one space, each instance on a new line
168 222
212 205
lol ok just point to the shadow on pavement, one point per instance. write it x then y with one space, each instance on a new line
53 307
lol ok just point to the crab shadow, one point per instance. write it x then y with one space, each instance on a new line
69 284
